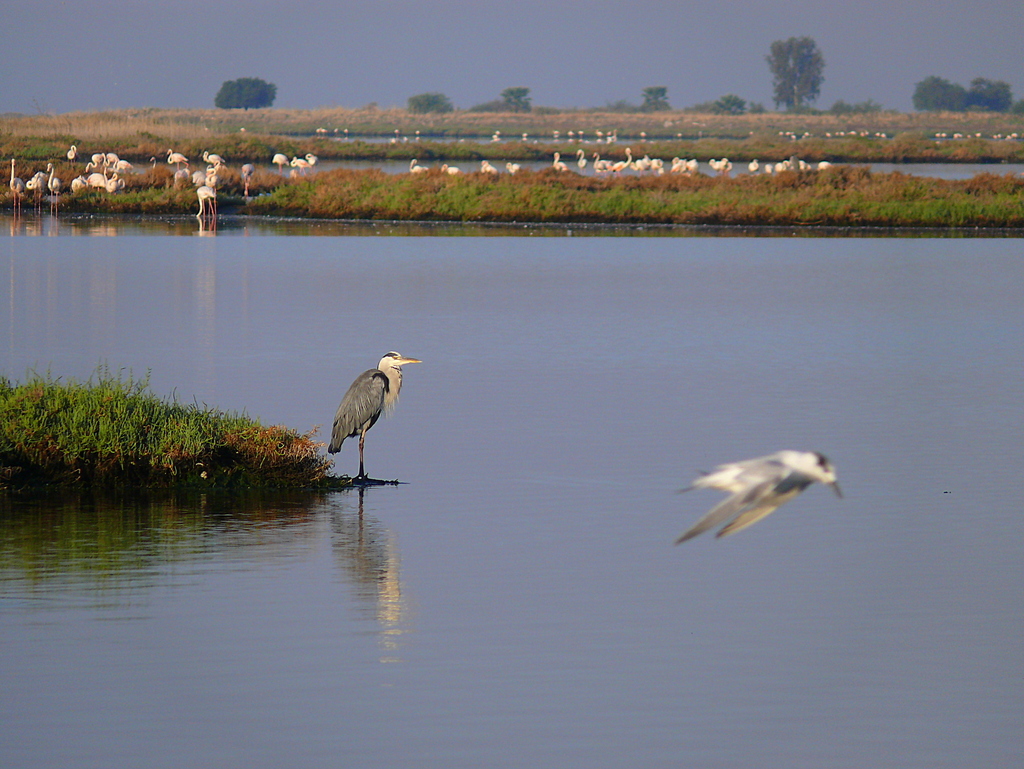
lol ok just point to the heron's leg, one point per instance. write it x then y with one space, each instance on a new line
362 437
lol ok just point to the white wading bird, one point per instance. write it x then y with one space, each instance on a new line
758 486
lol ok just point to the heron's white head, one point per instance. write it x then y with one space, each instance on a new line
395 360
391 364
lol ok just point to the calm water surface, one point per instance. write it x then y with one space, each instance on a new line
518 601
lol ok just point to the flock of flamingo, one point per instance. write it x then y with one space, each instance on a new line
601 167
103 171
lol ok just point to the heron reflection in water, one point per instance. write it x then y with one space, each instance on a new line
374 391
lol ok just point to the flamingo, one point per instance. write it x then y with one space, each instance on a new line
312 159
213 182
174 157
100 159
204 194
111 159
618 167
213 158
753 165
723 166
198 178
115 184
247 171
53 184
97 180
17 188
36 184
557 163
212 179
301 163
511 167
415 168
78 184
123 166
450 170
181 177
487 168
581 160
73 153
280 161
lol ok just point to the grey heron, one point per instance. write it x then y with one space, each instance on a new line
374 391
758 486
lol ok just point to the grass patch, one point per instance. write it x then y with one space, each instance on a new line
839 197
113 431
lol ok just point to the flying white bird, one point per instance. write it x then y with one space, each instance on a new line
758 486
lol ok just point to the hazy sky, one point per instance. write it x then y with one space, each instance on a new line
100 54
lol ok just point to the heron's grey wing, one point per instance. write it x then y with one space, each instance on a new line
726 509
360 407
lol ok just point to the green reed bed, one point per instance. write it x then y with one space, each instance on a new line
833 197
840 196
113 431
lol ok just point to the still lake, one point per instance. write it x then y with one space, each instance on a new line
517 601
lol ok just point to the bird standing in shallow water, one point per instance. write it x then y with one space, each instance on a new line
758 486
17 189
374 391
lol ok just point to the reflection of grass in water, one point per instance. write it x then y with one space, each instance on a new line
60 535
110 431
106 549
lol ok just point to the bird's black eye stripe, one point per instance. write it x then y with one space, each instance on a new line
822 461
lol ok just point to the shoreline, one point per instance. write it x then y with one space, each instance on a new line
378 227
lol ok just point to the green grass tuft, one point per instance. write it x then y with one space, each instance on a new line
113 431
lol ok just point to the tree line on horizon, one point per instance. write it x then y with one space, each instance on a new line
796 64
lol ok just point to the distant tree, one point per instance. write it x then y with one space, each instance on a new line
755 108
655 99
516 99
495 105
1018 107
245 93
430 102
858 108
730 104
797 68
621 106
703 107
935 94
993 95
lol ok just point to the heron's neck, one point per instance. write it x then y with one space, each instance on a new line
394 375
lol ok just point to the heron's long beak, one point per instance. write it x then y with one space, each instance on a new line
835 488
403 361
